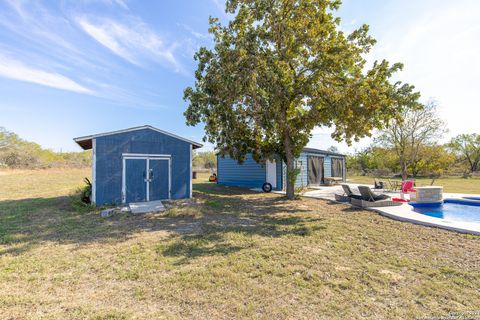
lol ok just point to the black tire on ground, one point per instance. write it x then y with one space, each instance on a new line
267 187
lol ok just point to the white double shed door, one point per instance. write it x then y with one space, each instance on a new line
146 177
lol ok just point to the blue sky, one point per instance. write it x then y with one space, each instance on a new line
71 68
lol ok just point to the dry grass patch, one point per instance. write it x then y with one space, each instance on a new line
229 253
42 183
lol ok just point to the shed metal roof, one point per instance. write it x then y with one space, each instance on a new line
313 150
86 141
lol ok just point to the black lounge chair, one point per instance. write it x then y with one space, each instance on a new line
378 184
349 193
368 195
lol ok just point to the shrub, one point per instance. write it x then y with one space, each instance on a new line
16 153
86 192
81 199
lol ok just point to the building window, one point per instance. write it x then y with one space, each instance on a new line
337 167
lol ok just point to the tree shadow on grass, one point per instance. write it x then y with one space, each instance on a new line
219 189
216 236
227 218
345 206
217 211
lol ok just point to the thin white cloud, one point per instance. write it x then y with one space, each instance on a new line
14 69
121 3
220 4
108 39
49 39
48 36
196 34
133 40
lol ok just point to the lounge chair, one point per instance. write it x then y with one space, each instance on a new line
372 200
349 193
374 204
368 195
378 184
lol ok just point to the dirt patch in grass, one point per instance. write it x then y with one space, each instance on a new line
229 253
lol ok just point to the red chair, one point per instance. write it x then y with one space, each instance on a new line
407 186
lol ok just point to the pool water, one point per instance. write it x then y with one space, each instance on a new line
453 210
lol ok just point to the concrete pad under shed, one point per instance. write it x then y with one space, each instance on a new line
145 207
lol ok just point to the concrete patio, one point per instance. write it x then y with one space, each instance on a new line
404 212
328 192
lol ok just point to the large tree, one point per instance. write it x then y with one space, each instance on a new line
433 160
206 160
467 147
373 160
281 68
419 126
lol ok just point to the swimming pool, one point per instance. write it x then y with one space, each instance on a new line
452 210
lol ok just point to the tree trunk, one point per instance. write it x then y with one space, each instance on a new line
290 180
403 167
290 167
474 167
470 162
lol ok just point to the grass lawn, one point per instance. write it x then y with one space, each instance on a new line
453 184
229 253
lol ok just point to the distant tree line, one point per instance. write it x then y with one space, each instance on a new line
206 160
409 147
16 153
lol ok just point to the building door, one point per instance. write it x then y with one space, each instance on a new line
272 173
315 170
145 178
159 179
135 180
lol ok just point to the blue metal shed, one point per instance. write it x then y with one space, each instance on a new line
315 165
139 164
